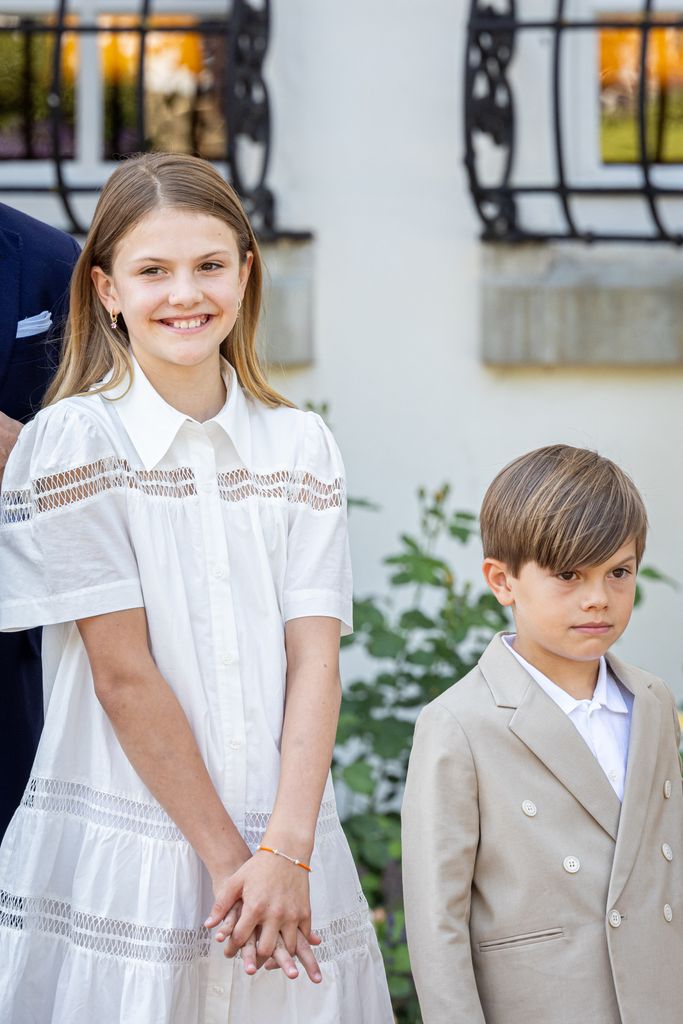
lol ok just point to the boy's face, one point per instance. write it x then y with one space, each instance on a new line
575 615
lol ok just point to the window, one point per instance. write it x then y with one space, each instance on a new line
26 67
123 80
621 58
564 138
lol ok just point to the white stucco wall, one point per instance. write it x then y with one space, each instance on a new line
368 154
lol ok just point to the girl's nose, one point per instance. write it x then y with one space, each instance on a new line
185 292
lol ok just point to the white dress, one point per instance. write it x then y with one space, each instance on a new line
223 531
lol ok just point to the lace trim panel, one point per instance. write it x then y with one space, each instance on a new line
256 823
343 935
297 487
124 940
119 939
76 485
59 797
56 796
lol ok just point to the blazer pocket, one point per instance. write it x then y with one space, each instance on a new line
526 939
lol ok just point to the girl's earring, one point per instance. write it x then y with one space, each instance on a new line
239 306
114 319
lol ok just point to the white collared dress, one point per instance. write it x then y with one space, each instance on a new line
223 530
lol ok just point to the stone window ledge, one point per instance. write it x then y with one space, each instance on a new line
546 304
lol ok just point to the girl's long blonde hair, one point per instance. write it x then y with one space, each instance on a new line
138 186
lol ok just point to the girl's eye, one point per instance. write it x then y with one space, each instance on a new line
211 265
151 271
567 577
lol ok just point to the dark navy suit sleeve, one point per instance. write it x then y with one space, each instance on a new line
36 262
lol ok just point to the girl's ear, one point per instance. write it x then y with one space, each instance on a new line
498 576
105 288
245 270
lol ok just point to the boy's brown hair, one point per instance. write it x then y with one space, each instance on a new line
562 508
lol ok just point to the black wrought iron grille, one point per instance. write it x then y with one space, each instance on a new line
243 38
490 110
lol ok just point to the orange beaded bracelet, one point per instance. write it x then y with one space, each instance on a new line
279 853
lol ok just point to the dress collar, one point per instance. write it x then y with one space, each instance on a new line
152 424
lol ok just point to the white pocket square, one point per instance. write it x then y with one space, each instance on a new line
34 324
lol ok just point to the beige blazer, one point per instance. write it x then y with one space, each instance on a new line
532 895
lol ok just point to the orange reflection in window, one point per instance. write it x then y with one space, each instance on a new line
620 54
183 86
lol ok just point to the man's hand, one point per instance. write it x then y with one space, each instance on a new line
9 432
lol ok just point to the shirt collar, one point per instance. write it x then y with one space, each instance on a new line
152 424
606 694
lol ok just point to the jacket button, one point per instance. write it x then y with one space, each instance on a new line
614 918
571 864
529 808
667 851
667 789
668 912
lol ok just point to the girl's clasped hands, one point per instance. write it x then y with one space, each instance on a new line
263 908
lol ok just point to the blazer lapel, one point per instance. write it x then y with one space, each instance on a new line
643 747
548 733
10 282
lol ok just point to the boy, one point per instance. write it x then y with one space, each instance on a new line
543 814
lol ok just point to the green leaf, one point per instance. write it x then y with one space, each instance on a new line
385 644
370 506
392 737
400 987
414 618
648 572
359 777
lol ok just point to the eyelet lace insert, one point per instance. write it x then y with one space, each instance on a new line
120 939
256 823
126 940
295 487
56 796
76 485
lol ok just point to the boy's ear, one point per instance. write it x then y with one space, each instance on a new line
498 576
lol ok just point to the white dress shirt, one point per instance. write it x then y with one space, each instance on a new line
223 531
604 722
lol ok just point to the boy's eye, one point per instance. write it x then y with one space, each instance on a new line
567 576
621 573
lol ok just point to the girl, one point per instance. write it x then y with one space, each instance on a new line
179 529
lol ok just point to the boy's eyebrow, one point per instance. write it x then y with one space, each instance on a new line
162 259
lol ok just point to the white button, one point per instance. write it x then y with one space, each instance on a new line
667 851
209 486
667 789
614 918
228 659
571 864
218 571
235 744
613 775
218 990
529 808
668 912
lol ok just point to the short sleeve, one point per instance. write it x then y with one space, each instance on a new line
318 574
65 548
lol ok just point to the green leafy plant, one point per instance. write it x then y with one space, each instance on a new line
418 643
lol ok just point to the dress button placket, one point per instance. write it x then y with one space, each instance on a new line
223 635
232 787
